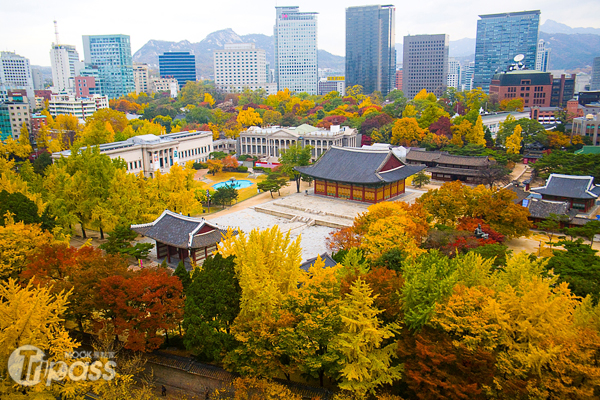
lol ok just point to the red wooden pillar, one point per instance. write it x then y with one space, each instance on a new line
363 192
325 182
336 189
169 254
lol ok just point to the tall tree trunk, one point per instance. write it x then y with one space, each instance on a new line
83 231
298 183
101 233
321 373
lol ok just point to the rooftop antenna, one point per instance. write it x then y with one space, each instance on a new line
56 31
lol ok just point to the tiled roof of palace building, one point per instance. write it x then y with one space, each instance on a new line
569 186
327 260
361 166
180 231
445 158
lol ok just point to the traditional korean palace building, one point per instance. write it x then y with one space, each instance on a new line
447 167
268 142
578 191
365 175
182 238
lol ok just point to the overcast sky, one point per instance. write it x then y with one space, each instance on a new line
26 26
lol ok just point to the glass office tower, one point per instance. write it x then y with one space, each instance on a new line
112 55
500 37
180 65
371 48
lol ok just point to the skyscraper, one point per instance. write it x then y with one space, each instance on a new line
112 55
180 65
542 57
370 48
65 63
425 64
295 36
595 81
500 37
15 73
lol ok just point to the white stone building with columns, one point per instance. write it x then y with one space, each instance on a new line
268 142
150 153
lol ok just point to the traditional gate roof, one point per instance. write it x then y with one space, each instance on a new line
180 231
569 186
361 166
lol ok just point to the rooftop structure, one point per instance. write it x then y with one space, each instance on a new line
364 175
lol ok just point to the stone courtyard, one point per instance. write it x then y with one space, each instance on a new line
312 217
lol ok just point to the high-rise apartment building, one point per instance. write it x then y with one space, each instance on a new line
241 66
180 65
542 57
500 37
15 73
65 63
454 73
371 48
595 81
111 54
425 64
140 78
295 36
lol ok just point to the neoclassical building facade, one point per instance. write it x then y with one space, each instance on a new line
270 141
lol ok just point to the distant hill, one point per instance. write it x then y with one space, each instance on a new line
203 50
551 26
571 51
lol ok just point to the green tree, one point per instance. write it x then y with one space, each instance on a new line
225 195
579 266
272 184
183 275
420 179
211 305
366 363
315 310
295 156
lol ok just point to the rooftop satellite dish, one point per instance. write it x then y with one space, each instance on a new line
519 57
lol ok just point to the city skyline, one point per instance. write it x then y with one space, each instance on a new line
458 19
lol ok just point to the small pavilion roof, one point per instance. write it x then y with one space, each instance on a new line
356 165
180 231
569 186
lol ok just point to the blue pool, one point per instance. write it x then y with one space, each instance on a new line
242 183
